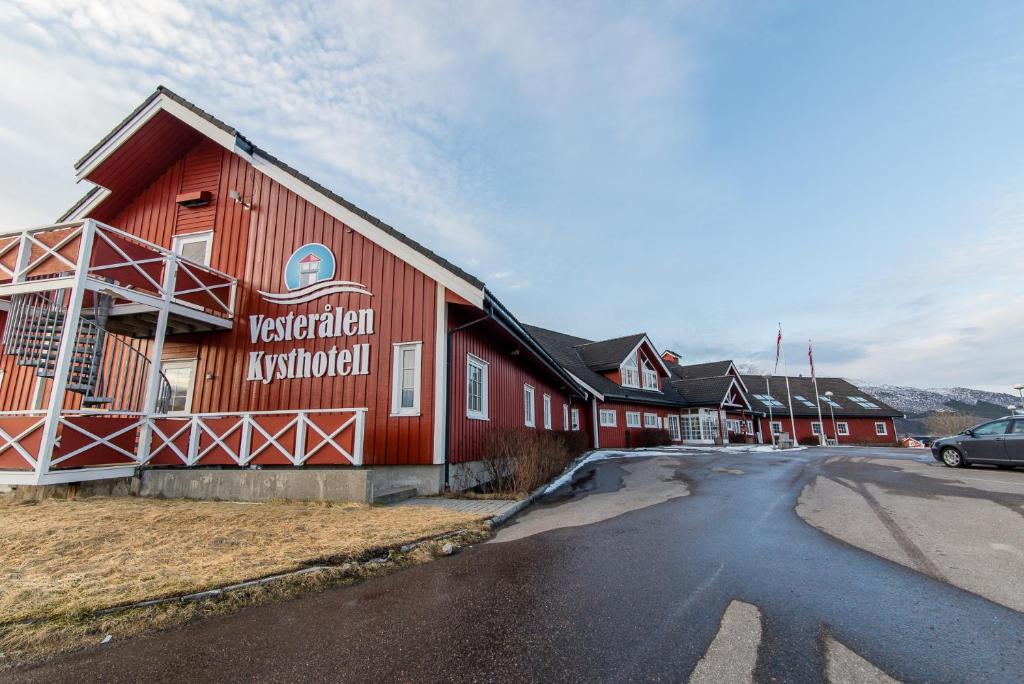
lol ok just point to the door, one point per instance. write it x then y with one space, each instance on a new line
987 442
1014 443
673 428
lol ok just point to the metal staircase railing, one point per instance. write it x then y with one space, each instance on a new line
106 370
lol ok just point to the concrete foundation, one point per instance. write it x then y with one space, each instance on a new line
362 485
120 486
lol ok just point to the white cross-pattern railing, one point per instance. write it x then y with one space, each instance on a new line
297 440
111 438
120 261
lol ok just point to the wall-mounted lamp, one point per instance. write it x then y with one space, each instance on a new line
237 196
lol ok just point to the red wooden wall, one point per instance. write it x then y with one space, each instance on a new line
862 430
615 437
254 245
506 375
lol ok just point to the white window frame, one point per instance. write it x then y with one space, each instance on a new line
816 428
397 410
205 236
546 404
473 361
565 417
843 429
651 421
192 365
649 376
633 419
629 373
884 432
603 418
575 418
776 427
529 406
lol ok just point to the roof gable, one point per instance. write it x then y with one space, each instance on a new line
165 116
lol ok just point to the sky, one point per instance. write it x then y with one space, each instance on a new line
701 171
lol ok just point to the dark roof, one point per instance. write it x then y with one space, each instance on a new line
712 369
804 387
256 151
703 391
566 350
608 354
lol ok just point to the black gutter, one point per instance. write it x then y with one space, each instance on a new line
505 318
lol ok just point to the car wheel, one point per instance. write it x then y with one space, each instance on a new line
952 457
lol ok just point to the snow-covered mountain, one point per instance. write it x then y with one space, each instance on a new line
916 401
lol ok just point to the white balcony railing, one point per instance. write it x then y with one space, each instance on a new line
102 444
118 263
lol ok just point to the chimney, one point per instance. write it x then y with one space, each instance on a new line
671 356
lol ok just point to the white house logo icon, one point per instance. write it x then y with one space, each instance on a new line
309 270
308 276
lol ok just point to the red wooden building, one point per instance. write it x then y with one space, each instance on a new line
207 305
848 414
627 383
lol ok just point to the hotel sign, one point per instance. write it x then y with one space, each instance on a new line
309 276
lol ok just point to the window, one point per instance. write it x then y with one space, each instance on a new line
547 412
651 420
1016 429
691 428
630 375
750 427
881 428
995 428
608 418
673 428
575 420
803 400
405 379
843 429
769 400
863 403
476 388
776 427
633 419
194 246
829 401
732 425
816 429
529 407
650 377
565 417
182 377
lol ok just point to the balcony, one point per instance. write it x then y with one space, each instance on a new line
88 308
138 277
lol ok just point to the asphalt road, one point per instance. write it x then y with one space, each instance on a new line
693 565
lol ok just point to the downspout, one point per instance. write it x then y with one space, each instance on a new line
448 393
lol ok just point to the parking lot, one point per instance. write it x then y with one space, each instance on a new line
705 565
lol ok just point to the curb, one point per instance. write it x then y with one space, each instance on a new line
503 517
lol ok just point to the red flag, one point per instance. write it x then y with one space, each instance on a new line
810 355
778 348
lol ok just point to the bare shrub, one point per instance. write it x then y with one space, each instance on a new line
651 437
948 423
517 461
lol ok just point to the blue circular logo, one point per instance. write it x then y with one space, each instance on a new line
308 265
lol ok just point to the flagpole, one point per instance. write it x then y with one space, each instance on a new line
789 394
817 398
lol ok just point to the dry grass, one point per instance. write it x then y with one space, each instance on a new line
22 642
61 559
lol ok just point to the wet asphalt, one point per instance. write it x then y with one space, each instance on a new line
638 597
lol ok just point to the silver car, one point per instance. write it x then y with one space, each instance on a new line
997 442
